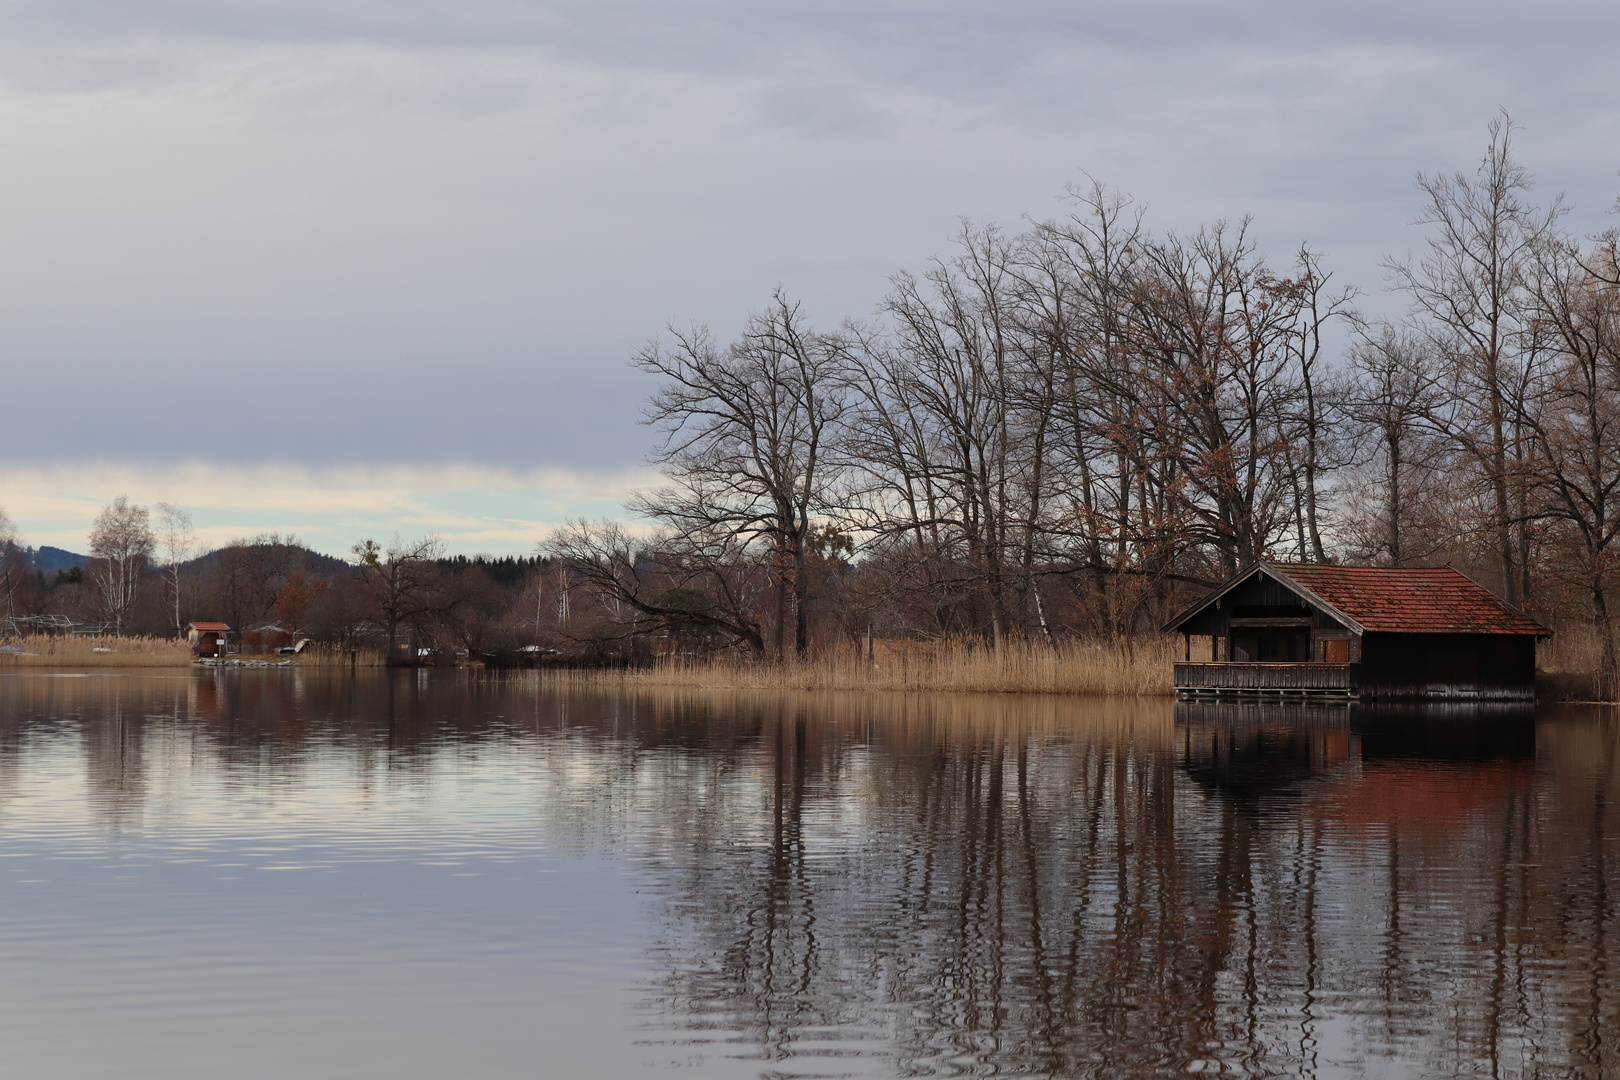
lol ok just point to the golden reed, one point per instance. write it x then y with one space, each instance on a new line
1118 668
338 656
1569 666
93 652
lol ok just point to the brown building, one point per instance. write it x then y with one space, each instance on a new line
1357 631
208 638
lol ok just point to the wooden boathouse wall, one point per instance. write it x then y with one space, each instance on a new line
1269 678
1490 666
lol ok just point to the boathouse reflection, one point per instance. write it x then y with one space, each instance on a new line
1254 751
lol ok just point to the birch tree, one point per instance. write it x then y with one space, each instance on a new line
10 570
1216 334
121 545
1109 488
176 542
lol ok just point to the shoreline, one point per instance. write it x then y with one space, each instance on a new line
1108 668
1114 668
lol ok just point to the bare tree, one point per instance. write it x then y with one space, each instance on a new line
1089 401
1392 388
1468 295
1112 490
745 432
1216 333
1576 418
957 423
1062 429
658 583
11 568
953 371
1314 307
248 573
121 544
176 542
399 579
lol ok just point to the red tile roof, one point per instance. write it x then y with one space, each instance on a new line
211 627
1411 600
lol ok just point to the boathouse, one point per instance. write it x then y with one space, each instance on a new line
1356 631
208 638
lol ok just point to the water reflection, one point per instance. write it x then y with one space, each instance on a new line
1261 892
848 885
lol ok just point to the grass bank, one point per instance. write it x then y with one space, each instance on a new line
1118 668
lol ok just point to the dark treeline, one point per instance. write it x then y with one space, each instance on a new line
1068 430
404 597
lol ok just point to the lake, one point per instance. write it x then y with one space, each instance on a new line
446 874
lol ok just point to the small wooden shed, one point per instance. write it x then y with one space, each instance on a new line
1356 631
208 638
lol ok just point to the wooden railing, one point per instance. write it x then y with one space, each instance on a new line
1262 678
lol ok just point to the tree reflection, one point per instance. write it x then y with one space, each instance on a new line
1262 892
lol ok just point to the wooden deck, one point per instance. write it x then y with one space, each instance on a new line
1197 679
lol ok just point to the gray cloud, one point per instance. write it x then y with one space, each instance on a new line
433 231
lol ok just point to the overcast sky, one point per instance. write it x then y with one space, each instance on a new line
346 267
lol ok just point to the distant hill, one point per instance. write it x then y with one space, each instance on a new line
297 553
51 559
54 558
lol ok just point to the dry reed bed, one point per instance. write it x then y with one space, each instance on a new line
1569 666
1114 668
93 652
338 656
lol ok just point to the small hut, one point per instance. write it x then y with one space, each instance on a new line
1356 631
208 638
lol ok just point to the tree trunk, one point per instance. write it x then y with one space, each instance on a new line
1394 508
801 603
1318 553
779 571
1499 486
1608 663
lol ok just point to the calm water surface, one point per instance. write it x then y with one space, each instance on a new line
274 874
